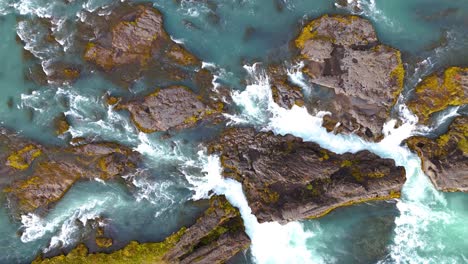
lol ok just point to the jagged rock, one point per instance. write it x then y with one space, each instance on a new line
130 42
445 158
438 91
39 176
285 94
169 108
215 238
286 179
343 53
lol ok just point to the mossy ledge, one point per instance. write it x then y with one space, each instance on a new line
133 253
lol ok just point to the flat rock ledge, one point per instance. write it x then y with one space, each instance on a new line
286 179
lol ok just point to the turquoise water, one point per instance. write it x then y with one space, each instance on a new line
425 227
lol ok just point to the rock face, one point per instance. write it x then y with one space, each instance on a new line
445 159
40 176
439 91
343 53
170 108
131 41
286 179
216 237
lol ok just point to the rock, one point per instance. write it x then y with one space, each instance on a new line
286 179
39 176
438 91
131 42
343 54
216 237
169 108
285 94
445 158
61 124
104 242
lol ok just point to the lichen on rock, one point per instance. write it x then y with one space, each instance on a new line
438 91
343 54
445 158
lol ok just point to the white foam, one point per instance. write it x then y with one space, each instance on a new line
271 242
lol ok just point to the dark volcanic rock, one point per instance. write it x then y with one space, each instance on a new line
131 42
286 179
445 159
170 108
216 237
39 176
438 91
343 53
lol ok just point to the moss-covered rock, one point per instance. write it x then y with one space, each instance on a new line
53 171
445 158
286 179
130 42
438 91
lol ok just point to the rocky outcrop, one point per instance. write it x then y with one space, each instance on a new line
35 177
215 238
286 179
169 108
285 93
343 53
445 158
131 41
438 91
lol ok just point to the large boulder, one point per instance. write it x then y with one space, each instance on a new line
445 158
286 179
130 41
438 91
169 108
215 238
343 53
36 176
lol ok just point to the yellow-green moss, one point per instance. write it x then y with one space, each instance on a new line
134 252
104 242
398 74
392 195
434 94
19 159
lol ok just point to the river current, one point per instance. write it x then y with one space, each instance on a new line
424 226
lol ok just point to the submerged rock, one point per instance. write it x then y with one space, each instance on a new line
286 179
343 53
130 42
438 91
39 176
445 158
169 108
215 238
